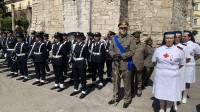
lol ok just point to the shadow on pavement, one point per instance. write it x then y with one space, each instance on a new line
50 79
89 90
155 104
198 108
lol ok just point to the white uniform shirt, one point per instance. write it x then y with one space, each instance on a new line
185 50
182 70
194 48
168 57
167 85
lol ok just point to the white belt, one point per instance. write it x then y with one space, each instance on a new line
57 56
10 49
78 59
37 53
96 53
23 54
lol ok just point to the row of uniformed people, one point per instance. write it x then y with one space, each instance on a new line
8 43
39 53
130 58
175 68
98 55
169 58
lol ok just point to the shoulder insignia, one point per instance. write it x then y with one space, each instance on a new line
184 44
159 46
179 47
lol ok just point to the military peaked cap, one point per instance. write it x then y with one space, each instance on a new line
111 33
58 35
123 24
19 34
39 34
90 34
79 34
33 32
64 34
97 34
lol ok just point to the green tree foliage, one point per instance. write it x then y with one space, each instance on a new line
3 8
22 23
194 32
6 23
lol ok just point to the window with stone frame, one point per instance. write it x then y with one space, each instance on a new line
195 21
196 7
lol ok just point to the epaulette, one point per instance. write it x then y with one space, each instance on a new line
158 45
180 47
184 44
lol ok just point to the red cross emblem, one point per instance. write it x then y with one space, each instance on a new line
166 55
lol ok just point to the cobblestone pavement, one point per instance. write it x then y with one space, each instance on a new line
18 96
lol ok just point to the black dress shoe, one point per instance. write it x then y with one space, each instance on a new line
65 77
99 87
74 93
25 79
15 75
108 80
37 82
55 87
71 81
61 89
20 78
92 85
125 105
41 84
10 74
82 96
111 102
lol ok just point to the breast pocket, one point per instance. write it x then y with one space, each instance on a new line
126 46
174 58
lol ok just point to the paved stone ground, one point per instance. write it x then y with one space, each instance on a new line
18 96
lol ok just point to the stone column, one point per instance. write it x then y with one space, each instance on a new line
29 15
189 15
90 21
123 10
13 16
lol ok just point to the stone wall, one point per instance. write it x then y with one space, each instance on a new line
179 16
47 15
71 16
152 17
76 15
105 16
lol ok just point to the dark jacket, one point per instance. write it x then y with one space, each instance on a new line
48 46
38 52
98 52
3 43
107 45
59 54
80 51
68 46
21 51
10 45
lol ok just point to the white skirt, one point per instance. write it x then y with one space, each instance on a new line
182 71
167 85
190 73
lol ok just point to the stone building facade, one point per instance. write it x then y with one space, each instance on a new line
152 17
